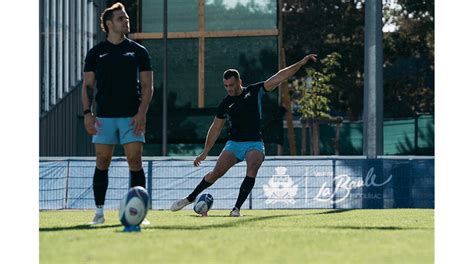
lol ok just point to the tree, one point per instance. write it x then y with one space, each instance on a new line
409 59
315 87
312 92
326 26
323 27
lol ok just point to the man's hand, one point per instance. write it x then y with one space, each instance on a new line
308 57
139 123
89 124
200 158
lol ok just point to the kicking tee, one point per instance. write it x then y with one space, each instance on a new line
117 69
244 112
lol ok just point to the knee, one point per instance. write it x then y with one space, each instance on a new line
252 169
103 161
135 161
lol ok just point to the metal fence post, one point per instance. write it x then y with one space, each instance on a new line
66 185
150 182
334 183
250 200
417 116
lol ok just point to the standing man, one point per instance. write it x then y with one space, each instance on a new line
120 69
243 107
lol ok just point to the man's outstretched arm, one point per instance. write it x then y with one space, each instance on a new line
286 73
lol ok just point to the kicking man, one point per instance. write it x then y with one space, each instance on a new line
243 107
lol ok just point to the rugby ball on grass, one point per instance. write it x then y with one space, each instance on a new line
203 204
134 206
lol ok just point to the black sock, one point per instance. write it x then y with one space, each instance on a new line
138 178
201 187
100 183
245 189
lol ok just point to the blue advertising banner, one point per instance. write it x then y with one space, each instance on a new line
282 183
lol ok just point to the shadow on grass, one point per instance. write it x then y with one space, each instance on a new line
238 220
336 211
246 219
76 227
242 220
373 227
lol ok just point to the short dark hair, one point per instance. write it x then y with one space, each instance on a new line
108 14
231 73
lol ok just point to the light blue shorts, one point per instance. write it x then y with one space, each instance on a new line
240 149
116 130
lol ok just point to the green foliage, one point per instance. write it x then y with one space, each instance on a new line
314 88
323 27
326 26
409 59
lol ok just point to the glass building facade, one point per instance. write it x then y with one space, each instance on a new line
204 38
68 29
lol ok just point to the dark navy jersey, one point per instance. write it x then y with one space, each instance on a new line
244 112
117 69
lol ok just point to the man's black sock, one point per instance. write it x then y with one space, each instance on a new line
201 187
100 183
245 189
138 178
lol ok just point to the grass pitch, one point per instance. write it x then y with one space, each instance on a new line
260 236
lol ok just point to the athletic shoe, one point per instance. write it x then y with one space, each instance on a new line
180 204
98 219
235 212
145 222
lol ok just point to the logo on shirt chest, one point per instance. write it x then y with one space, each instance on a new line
131 54
247 95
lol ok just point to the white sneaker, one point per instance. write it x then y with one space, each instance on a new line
98 219
179 204
235 212
145 222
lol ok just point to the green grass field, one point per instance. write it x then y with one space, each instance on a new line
260 236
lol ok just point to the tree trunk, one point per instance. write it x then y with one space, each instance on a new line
315 136
286 101
303 136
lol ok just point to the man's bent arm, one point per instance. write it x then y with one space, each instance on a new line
213 134
87 93
146 82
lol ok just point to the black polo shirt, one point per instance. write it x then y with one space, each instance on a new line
244 112
117 69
